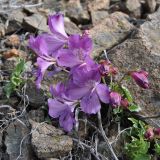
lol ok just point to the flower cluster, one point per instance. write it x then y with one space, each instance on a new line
152 133
83 87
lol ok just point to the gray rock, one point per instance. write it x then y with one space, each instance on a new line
53 5
94 5
37 115
13 20
70 27
154 16
15 133
133 7
35 96
98 16
9 64
2 30
111 31
35 22
151 5
49 142
76 12
143 51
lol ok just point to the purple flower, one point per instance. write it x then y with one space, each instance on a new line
42 67
61 107
46 46
140 78
115 99
85 85
62 111
79 48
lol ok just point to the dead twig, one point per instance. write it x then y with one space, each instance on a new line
104 135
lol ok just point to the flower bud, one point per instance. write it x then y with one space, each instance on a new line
115 99
157 132
106 68
124 103
140 78
149 134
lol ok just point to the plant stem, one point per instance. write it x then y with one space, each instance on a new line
104 135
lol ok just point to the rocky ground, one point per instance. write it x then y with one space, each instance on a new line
128 30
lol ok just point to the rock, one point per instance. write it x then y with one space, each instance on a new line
70 27
98 16
151 5
95 5
49 142
111 31
51 159
154 16
35 22
53 5
35 95
2 30
12 53
5 111
143 51
9 64
15 132
76 13
133 7
37 115
13 20
30 11
13 40
17 15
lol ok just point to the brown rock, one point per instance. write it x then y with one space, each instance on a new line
14 53
110 32
49 142
11 53
13 40
143 51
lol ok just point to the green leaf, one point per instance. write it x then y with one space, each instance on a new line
8 89
134 121
16 80
134 108
115 87
127 94
117 110
157 148
137 149
142 157
19 67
